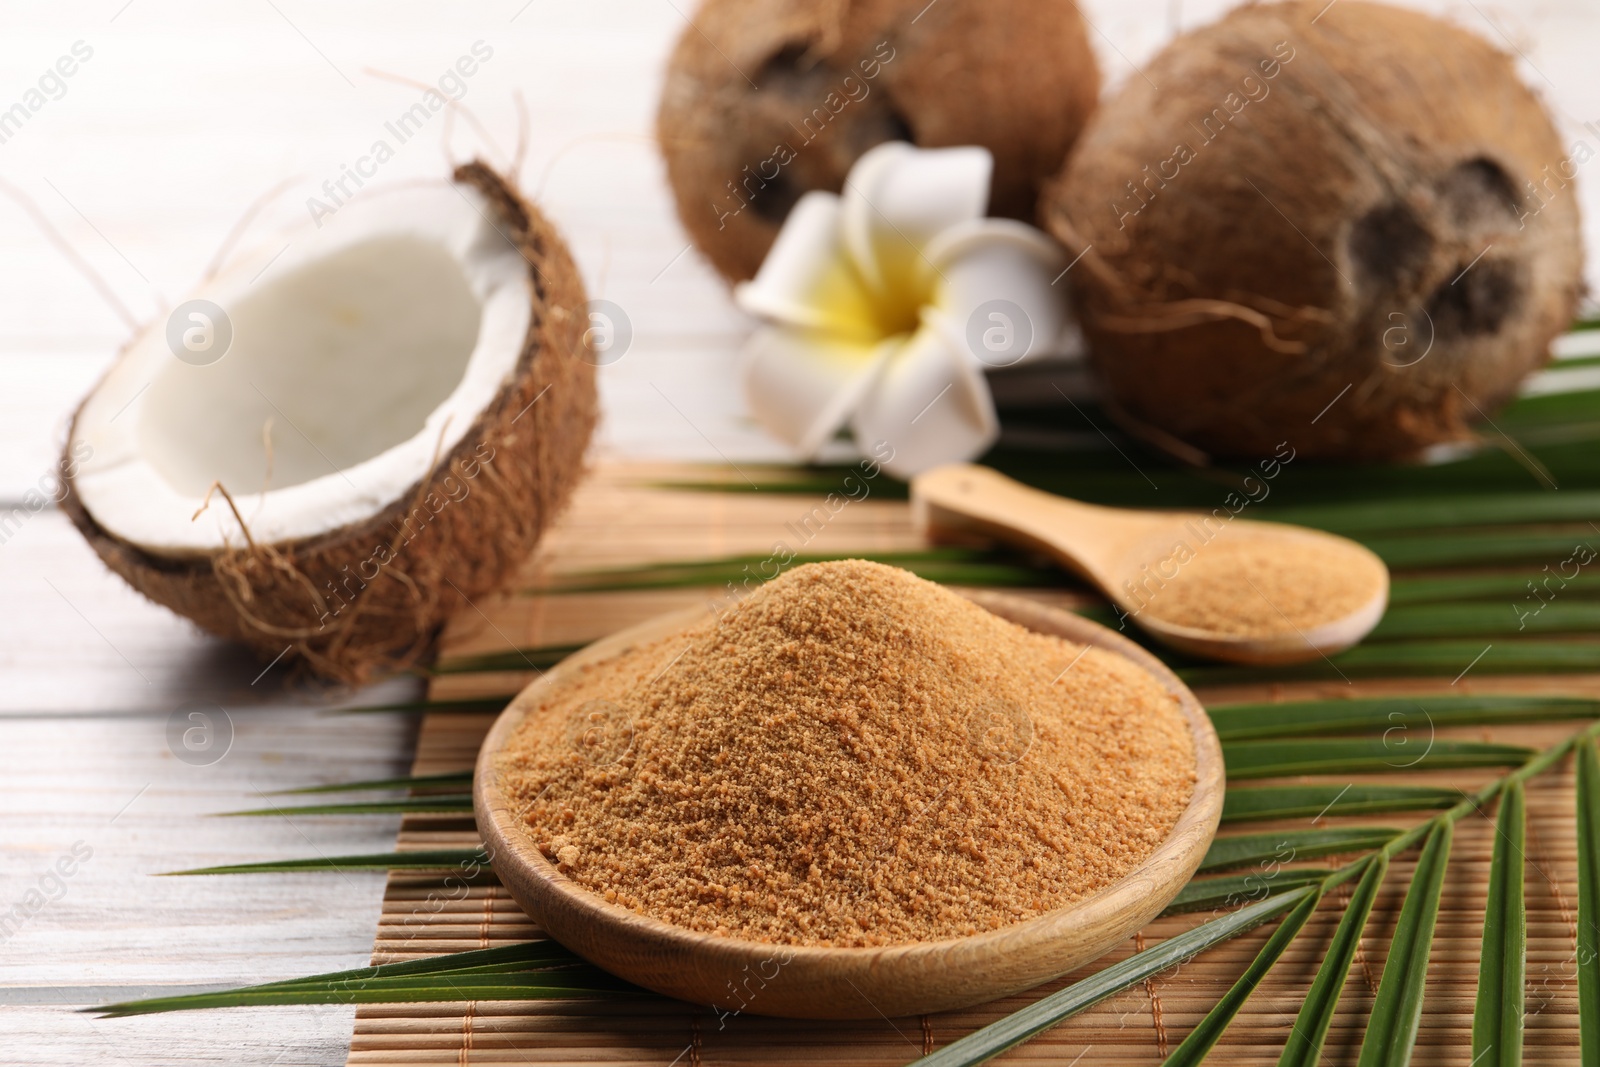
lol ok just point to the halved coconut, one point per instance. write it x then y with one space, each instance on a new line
402 407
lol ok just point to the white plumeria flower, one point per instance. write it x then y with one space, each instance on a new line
882 306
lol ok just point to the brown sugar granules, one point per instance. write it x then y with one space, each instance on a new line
852 756
1255 586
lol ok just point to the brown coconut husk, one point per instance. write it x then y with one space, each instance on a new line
1319 243
317 598
1016 76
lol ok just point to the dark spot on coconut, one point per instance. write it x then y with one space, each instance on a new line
794 72
786 63
1389 244
774 201
825 115
1479 301
1479 193
899 129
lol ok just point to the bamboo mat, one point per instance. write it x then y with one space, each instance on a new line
620 518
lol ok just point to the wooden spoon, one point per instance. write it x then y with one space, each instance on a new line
801 981
1134 557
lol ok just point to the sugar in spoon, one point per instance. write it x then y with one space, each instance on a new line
1208 584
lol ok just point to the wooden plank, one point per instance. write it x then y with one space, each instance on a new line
92 675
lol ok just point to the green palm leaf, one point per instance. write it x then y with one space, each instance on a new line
1303 1047
1499 585
1397 1010
1194 1048
1295 801
474 706
435 804
1240 722
1375 755
1452 549
1446 512
1232 890
1020 1025
1501 619
1418 659
422 860
1272 850
1497 1022
542 985
454 779
1589 900
530 971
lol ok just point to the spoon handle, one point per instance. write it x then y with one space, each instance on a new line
963 498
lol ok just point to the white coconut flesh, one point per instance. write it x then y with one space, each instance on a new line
360 356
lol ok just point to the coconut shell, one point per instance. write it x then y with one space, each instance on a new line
767 99
521 460
1350 227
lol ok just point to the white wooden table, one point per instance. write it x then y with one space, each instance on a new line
185 113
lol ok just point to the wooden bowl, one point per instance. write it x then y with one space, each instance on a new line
734 975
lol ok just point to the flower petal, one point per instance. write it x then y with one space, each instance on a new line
995 291
899 197
929 404
802 384
807 280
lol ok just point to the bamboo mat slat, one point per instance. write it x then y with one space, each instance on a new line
618 518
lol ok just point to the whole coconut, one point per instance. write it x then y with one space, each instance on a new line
768 99
1346 226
